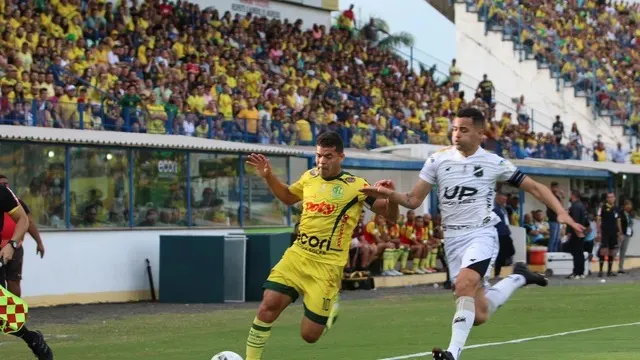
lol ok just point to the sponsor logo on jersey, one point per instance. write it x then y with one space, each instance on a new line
337 192
343 222
322 207
351 179
314 244
462 193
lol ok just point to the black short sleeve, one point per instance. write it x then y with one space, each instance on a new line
8 200
369 201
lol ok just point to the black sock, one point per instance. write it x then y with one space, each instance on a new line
28 336
609 266
601 264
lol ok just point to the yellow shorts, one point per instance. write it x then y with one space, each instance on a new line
318 282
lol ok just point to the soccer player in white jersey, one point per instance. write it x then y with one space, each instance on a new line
466 176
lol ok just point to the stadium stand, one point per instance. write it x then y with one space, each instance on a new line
96 65
587 45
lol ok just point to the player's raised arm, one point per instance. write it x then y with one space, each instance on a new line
277 187
544 195
410 200
385 207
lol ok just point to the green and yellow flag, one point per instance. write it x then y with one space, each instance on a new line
13 312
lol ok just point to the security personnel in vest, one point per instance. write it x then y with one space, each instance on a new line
609 233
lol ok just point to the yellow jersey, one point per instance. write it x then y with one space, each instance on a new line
394 231
635 157
331 209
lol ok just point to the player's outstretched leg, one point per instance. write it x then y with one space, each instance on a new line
333 315
466 284
321 306
498 294
273 303
35 341
474 307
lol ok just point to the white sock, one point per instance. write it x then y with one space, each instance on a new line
499 293
462 324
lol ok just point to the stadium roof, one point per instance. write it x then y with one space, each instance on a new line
615 168
113 138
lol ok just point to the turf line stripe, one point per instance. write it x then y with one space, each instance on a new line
47 337
517 341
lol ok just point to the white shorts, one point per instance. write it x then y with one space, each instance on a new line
477 250
354 243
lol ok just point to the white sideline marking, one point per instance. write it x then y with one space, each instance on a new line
517 341
47 337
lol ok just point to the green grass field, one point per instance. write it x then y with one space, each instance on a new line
383 327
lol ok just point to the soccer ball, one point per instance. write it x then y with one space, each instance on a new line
226 355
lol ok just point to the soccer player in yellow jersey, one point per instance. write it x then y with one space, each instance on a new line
313 265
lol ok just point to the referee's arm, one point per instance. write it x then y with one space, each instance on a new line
9 204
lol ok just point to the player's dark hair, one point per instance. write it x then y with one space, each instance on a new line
2 176
474 114
329 139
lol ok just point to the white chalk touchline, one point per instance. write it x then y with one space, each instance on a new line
517 341
47 337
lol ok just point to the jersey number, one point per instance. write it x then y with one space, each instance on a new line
326 304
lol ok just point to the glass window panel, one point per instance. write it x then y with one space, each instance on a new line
214 180
260 207
36 174
99 185
160 188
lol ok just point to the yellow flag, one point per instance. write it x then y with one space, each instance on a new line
13 312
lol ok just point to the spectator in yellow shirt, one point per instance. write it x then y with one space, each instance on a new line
635 155
225 103
202 130
437 136
360 139
196 101
600 153
247 120
304 132
156 123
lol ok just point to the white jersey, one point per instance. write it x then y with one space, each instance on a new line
466 187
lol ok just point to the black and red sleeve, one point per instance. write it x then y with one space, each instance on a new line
9 203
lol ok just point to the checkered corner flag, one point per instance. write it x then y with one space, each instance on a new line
13 312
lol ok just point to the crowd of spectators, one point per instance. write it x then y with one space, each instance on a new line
163 68
172 68
592 44
406 246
